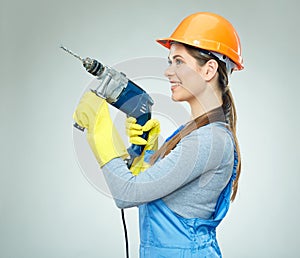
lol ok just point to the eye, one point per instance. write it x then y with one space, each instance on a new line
178 61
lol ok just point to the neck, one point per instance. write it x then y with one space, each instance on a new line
205 103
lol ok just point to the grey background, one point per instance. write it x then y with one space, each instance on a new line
49 209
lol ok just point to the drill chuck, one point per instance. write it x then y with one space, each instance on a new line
93 66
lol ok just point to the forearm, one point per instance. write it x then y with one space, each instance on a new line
129 190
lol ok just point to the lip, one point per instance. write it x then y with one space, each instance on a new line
173 88
174 84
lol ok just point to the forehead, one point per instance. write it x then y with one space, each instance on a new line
177 48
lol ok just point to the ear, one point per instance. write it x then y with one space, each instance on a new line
210 69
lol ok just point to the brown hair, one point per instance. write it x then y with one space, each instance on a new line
226 113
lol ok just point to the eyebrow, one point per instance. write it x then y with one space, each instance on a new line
175 57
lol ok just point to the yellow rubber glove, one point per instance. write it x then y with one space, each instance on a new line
134 130
92 113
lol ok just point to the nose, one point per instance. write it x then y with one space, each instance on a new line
169 71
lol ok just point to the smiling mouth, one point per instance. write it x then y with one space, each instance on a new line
174 84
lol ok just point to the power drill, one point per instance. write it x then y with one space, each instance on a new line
121 93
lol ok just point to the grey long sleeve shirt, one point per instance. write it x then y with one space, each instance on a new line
189 179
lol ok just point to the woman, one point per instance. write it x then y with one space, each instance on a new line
185 192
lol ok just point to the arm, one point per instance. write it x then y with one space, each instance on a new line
196 153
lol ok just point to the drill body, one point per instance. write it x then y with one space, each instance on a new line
120 92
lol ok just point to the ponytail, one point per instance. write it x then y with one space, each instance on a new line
230 114
229 110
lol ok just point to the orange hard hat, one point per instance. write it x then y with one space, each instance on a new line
208 31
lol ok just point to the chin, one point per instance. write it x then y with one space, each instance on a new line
177 98
174 98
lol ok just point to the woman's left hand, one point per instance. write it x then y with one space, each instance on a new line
92 113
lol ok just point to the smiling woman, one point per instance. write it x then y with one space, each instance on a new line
183 189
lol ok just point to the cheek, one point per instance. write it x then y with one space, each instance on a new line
191 80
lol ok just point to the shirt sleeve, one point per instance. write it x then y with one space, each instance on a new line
198 152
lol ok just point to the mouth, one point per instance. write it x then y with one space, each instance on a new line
174 84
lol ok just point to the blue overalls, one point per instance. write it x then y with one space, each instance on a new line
164 234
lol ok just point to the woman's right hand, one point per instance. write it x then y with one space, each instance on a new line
134 132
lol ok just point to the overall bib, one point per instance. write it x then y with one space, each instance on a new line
164 234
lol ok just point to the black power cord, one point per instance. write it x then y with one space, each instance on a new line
125 233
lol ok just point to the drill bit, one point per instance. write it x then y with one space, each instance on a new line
73 54
92 66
